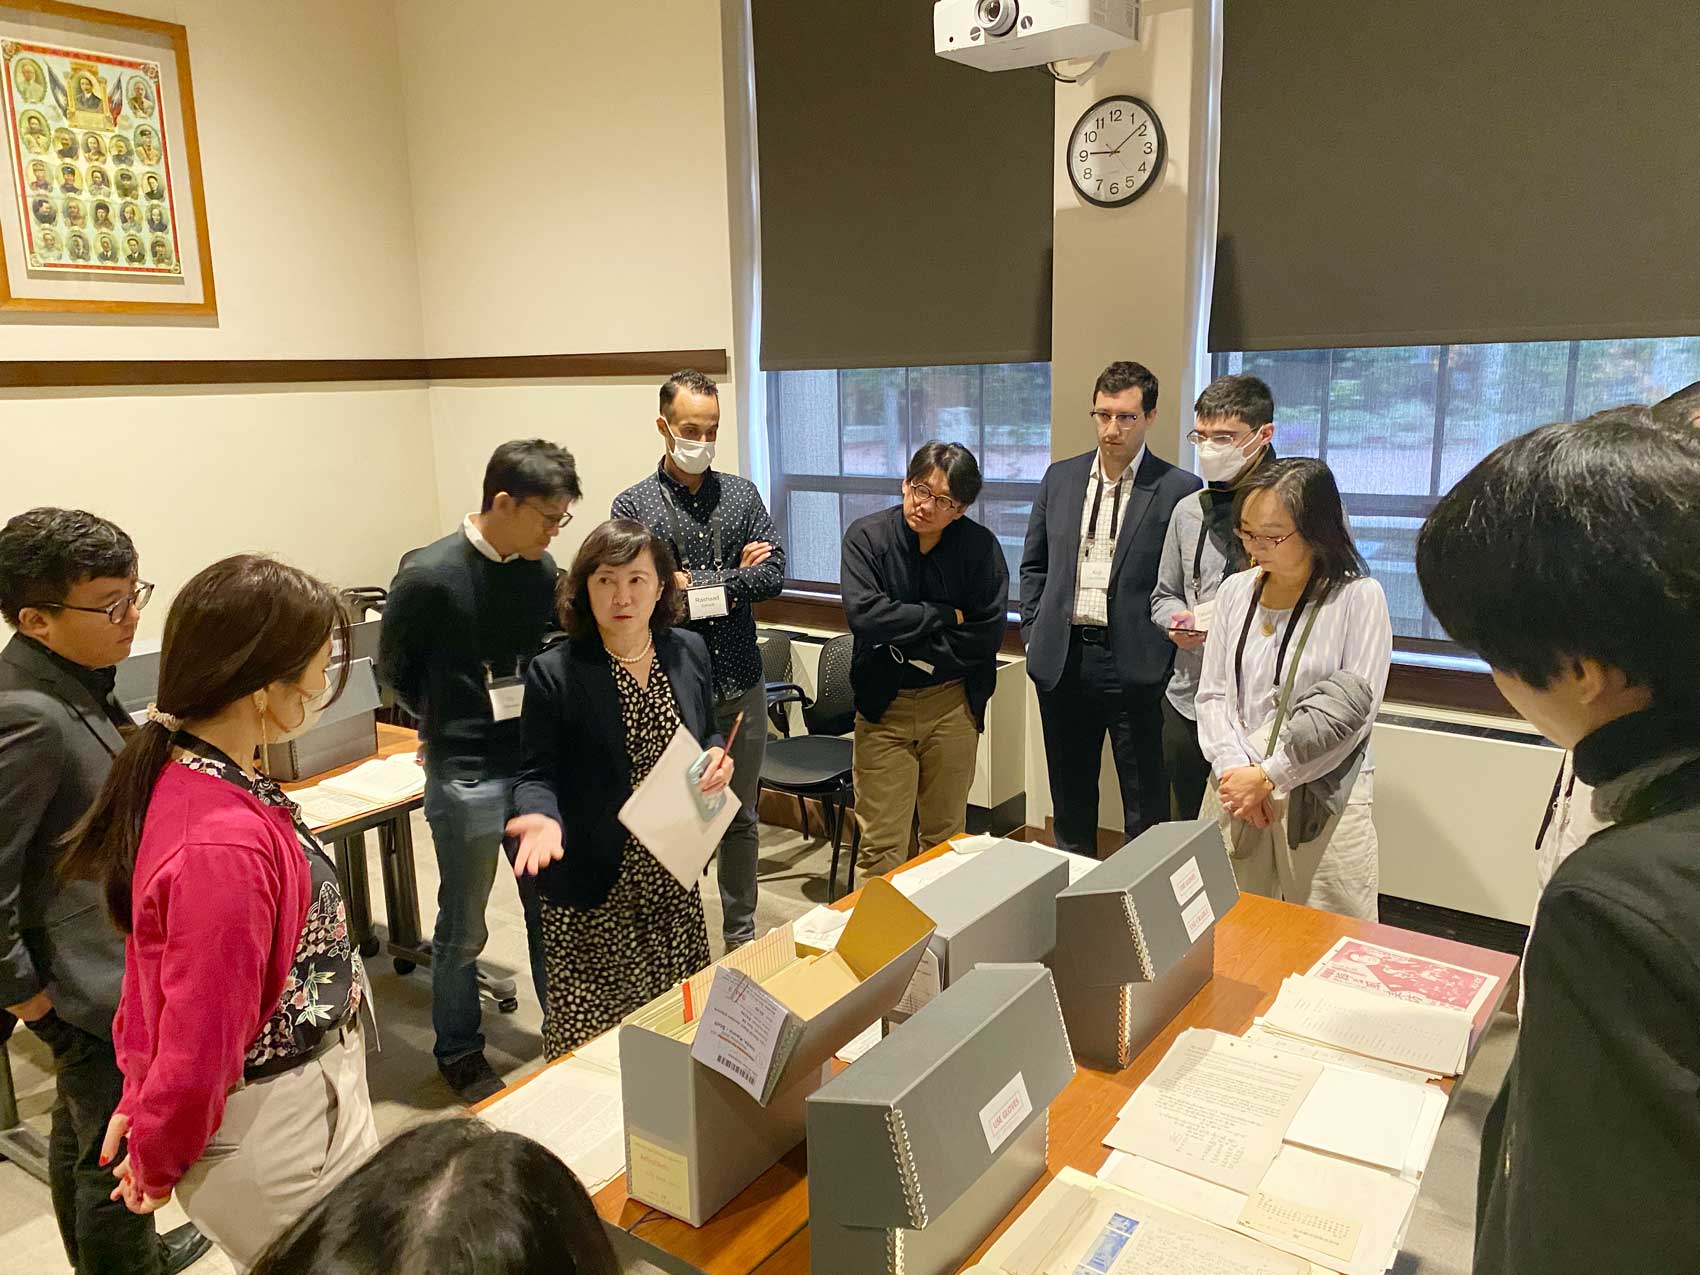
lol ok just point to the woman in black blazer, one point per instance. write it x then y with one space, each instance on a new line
600 708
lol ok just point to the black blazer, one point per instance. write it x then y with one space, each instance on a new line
576 767
56 747
1143 653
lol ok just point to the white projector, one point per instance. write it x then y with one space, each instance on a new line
1000 35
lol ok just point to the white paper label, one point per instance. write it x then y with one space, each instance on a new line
1187 881
1095 575
740 1030
506 701
708 603
1197 917
1003 1115
924 987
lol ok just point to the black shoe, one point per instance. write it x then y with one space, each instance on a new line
472 1078
182 1248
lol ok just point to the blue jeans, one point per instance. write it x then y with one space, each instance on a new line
467 810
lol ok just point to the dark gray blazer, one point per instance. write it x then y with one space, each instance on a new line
56 746
1050 558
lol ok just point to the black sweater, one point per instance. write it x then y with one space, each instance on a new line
901 606
453 613
1591 1153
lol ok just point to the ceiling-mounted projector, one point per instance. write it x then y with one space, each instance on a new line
1001 35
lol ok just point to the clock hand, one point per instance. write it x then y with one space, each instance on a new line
1100 152
1124 142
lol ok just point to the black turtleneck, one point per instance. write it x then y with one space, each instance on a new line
99 682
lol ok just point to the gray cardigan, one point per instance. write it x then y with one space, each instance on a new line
1333 709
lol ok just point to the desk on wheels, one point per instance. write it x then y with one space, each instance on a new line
1258 943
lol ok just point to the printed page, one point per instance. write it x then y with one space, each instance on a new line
572 1108
910 880
1216 1107
1423 1036
1369 967
1262 1034
742 1033
321 806
1345 1216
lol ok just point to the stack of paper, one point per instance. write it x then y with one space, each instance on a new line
910 880
820 927
573 1108
1429 1038
321 807
382 780
1421 980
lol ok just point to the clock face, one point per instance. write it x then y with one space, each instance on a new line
1115 152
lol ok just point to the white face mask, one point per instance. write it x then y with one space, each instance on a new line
1223 462
690 456
312 709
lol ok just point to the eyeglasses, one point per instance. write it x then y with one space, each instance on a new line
1263 543
116 613
923 496
1118 419
1196 438
552 521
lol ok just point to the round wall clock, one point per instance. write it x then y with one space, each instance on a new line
1115 151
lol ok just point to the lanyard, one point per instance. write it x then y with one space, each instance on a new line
1198 561
679 530
1115 506
1292 623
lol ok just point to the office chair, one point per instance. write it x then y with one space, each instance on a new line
818 764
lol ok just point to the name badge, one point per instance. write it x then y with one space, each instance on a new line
1095 575
507 698
708 602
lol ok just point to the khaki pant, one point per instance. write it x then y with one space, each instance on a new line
1340 871
913 769
284 1142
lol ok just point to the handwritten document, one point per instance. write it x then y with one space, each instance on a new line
1216 1107
1427 1037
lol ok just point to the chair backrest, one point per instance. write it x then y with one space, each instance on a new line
775 656
834 709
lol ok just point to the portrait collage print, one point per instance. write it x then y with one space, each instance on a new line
88 153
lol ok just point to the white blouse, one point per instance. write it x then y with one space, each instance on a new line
1353 633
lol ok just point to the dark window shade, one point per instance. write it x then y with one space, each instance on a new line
1456 171
905 200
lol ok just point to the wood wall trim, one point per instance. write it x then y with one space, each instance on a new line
1416 684
84 373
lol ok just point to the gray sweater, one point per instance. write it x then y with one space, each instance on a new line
1178 589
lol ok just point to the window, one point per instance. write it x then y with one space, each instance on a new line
840 442
1399 426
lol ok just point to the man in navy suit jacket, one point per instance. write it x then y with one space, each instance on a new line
1087 570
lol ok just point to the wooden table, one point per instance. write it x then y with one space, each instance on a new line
1258 943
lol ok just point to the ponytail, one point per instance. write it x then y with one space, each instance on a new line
102 846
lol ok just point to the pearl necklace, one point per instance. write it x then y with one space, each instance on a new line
639 657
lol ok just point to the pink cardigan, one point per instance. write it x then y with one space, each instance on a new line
220 894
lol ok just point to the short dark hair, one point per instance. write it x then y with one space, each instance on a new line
450 1197
960 469
1576 541
46 552
615 543
1680 409
1246 397
531 467
1125 375
1308 492
686 378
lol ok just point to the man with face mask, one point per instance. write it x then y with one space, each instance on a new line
1233 425
68 587
730 558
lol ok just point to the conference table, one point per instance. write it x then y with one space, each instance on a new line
1258 943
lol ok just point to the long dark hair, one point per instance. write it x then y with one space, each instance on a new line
1308 492
236 627
615 543
452 1197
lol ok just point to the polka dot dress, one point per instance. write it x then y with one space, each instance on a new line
648 934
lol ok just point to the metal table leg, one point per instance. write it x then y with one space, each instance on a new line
356 892
19 1143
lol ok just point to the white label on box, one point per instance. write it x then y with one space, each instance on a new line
924 987
708 602
1187 881
1003 1115
1197 916
740 1031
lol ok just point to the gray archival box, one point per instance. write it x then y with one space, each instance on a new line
1136 938
922 1146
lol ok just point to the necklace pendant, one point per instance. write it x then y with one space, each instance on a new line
1268 628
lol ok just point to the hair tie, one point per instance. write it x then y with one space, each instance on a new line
173 724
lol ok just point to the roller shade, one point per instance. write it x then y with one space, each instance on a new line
905 200
1457 171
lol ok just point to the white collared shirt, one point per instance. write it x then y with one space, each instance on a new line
470 526
1092 606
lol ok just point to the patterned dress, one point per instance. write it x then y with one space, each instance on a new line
648 935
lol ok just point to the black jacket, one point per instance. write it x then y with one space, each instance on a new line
56 747
1143 653
897 599
1591 1153
577 769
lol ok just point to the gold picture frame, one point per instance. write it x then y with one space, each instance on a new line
111 149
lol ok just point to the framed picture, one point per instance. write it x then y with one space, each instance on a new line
102 209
